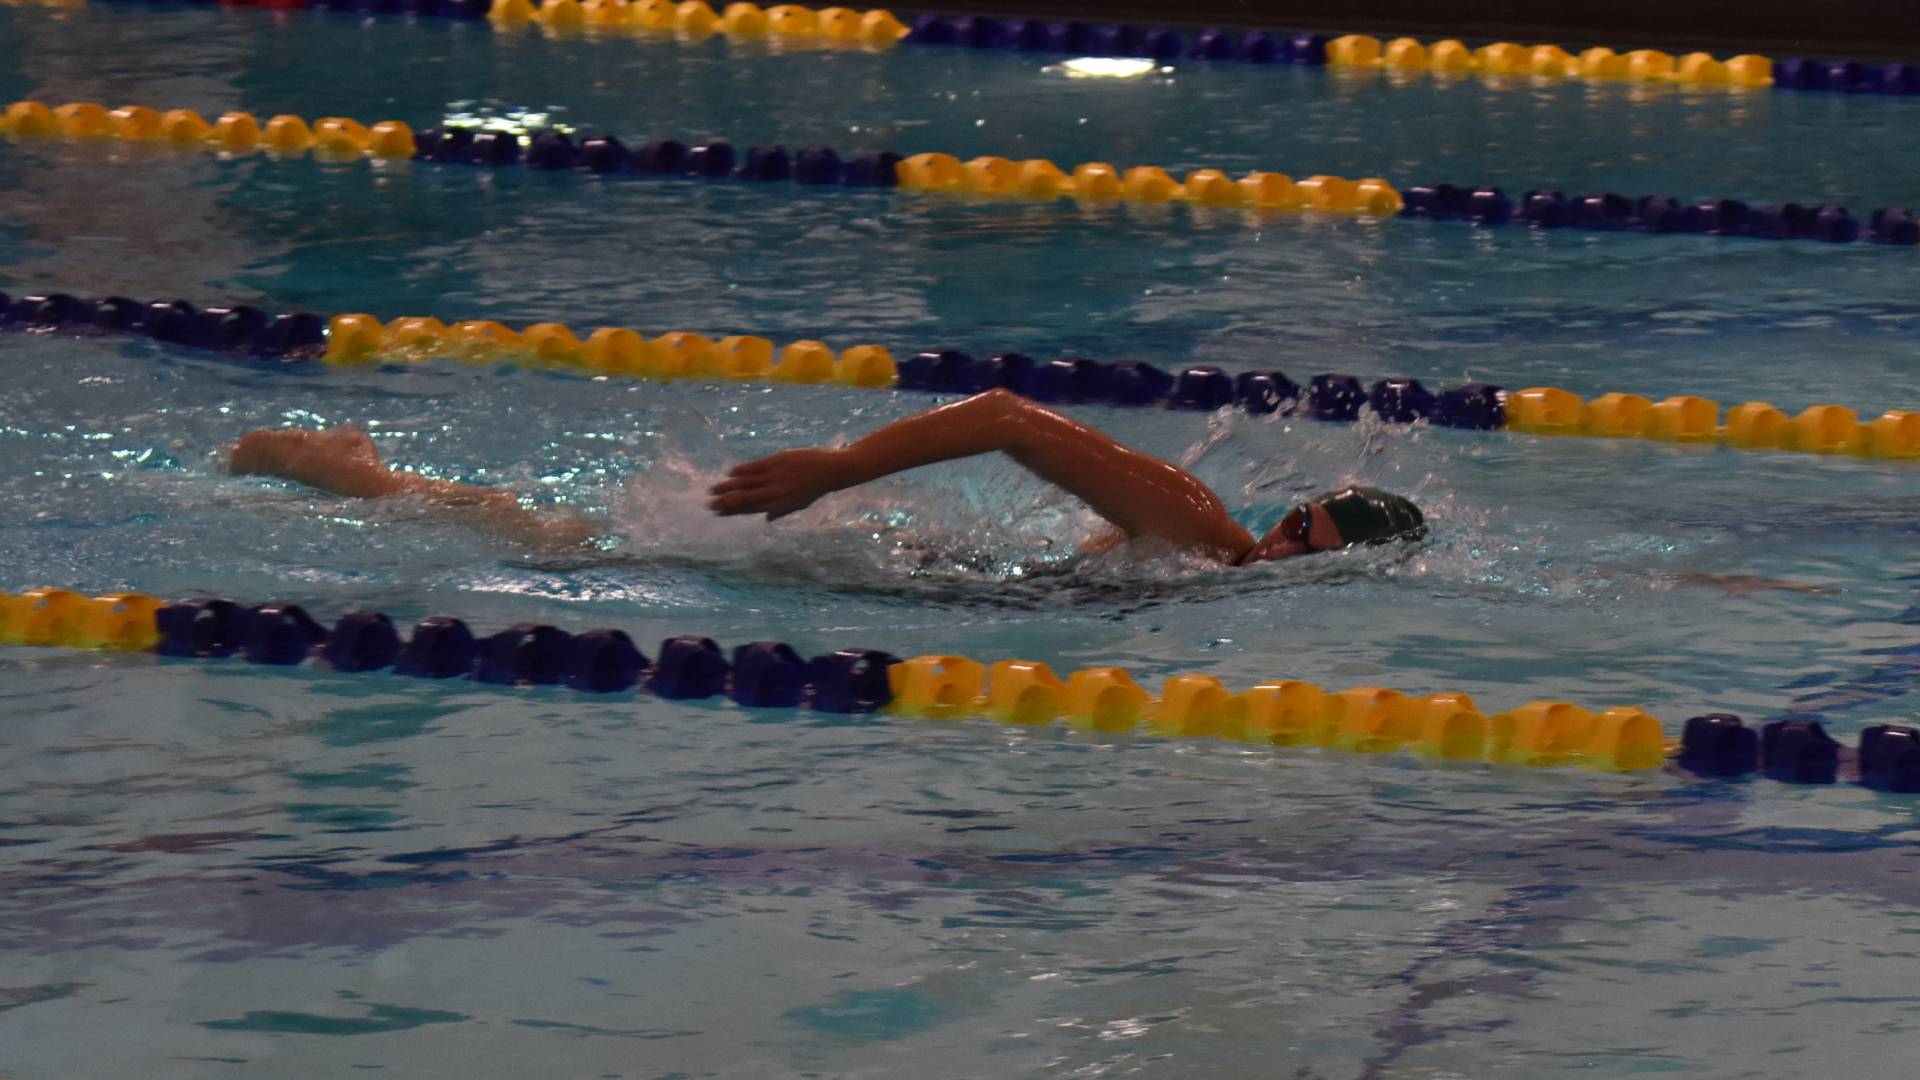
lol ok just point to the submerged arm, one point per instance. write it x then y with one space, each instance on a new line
1140 494
343 461
1742 584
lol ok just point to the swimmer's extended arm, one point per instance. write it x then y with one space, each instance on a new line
343 461
1742 584
1141 494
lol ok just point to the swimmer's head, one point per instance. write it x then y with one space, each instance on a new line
1337 519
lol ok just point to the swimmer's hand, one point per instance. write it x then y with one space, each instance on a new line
780 484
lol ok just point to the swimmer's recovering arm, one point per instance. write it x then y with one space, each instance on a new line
1140 494
343 461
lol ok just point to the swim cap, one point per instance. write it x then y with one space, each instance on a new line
1366 515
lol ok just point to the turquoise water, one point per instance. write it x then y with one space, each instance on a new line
214 869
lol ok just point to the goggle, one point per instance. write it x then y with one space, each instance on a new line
1297 526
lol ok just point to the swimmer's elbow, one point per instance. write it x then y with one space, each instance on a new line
988 408
1016 423
1004 404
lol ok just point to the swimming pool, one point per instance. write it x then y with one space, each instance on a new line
219 869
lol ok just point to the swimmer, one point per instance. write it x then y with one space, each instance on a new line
1141 497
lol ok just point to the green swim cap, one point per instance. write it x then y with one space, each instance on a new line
1367 515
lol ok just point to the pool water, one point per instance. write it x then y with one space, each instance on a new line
216 869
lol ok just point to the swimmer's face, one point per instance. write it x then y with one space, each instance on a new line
1307 528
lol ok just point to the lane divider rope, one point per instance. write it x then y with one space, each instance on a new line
651 19
1608 212
1449 57
987 177
1601 64
793 22
1498 60
244 331
343 138
772 675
